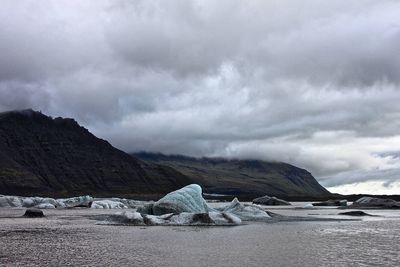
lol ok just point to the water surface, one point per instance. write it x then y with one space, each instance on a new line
72 238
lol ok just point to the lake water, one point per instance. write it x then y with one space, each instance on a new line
73 238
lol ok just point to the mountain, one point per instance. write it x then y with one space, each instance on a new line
40 155
245 178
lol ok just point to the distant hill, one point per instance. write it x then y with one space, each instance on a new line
40 155
246 178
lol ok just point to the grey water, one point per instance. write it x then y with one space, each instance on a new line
74 238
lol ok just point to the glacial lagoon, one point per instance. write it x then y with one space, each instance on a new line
76 237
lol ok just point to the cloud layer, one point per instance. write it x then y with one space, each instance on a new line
315 83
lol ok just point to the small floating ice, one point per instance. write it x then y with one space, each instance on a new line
10 201
45 206
189 199
187 206
81 201
245 212
184 218
108 204
44 202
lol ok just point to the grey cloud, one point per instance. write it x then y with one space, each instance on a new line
390 176
20 95
312 83
393 154
345 44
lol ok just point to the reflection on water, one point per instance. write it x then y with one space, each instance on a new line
69 237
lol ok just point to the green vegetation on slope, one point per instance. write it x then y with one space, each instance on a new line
242 177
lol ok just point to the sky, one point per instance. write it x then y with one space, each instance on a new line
312 83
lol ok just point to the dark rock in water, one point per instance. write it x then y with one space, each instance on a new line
355 213
331 202
373 202
33 213
270 201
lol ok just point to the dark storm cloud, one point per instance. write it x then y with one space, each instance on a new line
314 83
388 176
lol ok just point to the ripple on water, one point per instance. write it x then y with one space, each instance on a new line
59 241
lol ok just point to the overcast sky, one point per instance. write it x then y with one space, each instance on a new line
311 83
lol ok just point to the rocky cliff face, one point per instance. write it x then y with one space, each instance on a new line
251 178
44 156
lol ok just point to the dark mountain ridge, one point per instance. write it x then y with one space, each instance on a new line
40 155
244 178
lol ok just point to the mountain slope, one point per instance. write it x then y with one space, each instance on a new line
45 156
243 177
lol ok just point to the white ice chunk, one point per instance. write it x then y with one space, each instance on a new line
28 202
45 206
10 201
376 202
186 199
108 204
157 220
51 201
183 218
74 201
245 212
222 218
127 217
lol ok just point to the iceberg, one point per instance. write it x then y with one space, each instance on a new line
127 217
189 199
44 202
186 199
10 202
130 203
222 218
270 201
28 202
45 206
108 204
184 218
384 203
73 202
81 201
47 200
187 206
245 212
